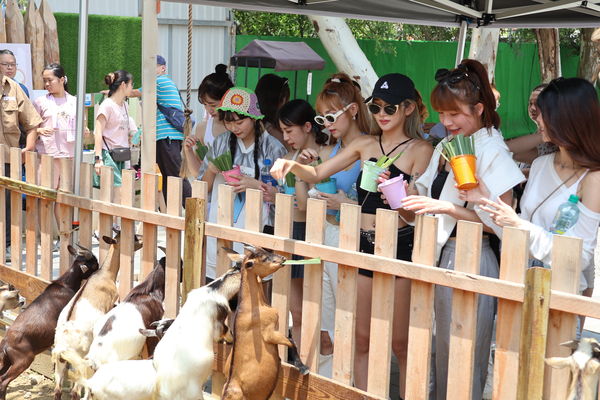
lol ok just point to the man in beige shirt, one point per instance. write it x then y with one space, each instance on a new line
15 109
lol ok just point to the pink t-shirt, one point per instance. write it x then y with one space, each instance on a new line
118 125
57 113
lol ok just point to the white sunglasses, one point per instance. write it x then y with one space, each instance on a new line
331 118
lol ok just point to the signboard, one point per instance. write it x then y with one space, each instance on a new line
22 53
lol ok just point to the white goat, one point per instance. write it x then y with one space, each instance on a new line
184 356
584 366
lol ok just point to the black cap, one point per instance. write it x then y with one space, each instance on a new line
393 89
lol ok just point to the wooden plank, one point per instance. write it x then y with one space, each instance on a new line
126 258
310 344
65 214
382 306
200 191
175 190
534 331
150 235
224 218
16 213
3 194
280 300
193 246
345 304
421 312
514 258
105 221
46 218
566 267
253 221
31 216
28 285
464 314
86 226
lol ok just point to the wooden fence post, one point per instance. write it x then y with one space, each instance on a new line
280 298
149 231
31 216
47 218
127 234
16 207
382 306
65 214
86 226
514 257
464 313
193 245
3 200
105 221
345 297
421 312
312 291
534 330
175 193
566 267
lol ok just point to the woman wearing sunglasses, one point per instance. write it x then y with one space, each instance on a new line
399 114
464 100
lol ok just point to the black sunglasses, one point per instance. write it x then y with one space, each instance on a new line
451 78
389 109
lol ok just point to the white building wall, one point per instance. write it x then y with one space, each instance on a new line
213 42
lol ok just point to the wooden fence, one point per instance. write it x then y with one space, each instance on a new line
520 322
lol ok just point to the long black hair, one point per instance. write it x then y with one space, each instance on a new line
297 113
114 80
215 85
272 91
230 116
58 72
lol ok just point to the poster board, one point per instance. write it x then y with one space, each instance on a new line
22 53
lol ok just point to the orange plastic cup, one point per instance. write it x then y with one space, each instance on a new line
464 171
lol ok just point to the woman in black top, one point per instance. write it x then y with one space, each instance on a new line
399 112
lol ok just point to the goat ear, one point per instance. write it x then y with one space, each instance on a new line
72 250
84 268
163 249
559 362
571 344
109 240
235 257
250 248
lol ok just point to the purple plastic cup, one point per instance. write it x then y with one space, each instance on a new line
234 171
394 191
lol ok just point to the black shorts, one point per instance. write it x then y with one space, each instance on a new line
403 250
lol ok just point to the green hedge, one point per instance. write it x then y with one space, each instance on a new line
113 43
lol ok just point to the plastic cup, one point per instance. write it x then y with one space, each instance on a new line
370 173
234 171
394 191
464 171
327 187
289 190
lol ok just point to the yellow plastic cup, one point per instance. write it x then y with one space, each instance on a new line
464 168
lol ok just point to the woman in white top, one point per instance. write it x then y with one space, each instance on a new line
465 103
211 90
569 117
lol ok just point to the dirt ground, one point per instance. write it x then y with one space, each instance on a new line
31 385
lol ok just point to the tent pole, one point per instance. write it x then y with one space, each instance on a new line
462 38
81 75
246 74
295 83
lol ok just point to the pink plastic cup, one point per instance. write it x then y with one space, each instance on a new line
234 171
394 191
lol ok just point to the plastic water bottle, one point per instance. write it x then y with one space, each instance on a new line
265 174
566 216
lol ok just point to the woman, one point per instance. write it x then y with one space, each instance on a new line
300 132
211 90
398 111
58 109
249 149
113 126
464 100
273 91
569 117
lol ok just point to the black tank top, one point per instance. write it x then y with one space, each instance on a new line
370 202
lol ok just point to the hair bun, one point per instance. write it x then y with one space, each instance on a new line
441 74
109 78
221 69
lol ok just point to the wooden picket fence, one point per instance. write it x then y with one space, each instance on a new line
531 321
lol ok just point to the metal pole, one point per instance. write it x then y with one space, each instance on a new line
462 38
81 75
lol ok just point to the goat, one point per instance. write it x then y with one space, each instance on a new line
9 298
254 362
119 380
159 328
76 321
33 330
584 365
117 334
183 358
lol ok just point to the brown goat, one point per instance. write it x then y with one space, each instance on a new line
33 330
254 361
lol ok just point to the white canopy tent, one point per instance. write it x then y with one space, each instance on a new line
448 13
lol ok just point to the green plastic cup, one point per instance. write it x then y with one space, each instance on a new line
370 173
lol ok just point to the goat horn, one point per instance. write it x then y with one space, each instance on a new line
571 344
229 250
